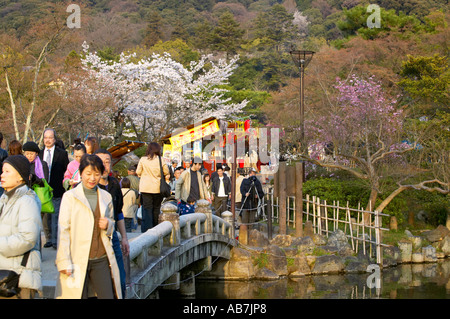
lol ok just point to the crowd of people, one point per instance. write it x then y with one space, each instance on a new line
94 209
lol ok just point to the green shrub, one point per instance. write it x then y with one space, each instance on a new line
333 189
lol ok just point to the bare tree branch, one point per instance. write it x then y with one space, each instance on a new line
419 186
332 165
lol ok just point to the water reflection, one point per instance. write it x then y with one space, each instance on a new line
407 281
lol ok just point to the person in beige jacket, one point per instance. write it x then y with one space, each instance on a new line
85 258
190 188
130 204
149 172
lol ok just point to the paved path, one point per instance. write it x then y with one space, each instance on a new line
48 267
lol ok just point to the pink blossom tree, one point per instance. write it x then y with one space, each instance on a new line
362 132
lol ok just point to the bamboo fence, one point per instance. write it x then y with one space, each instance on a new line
363 233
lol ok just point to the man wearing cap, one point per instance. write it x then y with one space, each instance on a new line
57 160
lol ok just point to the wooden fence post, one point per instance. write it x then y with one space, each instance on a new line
269 208
378 225
282 198
314 213
350 226
299 199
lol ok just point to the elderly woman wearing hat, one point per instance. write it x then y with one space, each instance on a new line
38 168
20 225
38 171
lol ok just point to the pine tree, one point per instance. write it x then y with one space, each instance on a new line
227 36
202 35
153 33
275 27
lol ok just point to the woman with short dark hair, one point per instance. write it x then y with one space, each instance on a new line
20 230
85 258
72 174
149 171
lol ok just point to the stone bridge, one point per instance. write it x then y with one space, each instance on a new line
171 254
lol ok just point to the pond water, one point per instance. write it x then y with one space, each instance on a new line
406 281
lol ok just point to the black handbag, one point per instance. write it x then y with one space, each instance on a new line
164 188
9 280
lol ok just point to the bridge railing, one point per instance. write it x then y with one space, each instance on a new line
172 229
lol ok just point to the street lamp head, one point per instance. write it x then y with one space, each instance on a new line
301 58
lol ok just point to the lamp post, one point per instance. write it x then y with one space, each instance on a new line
301 59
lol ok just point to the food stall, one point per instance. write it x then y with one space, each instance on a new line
207 139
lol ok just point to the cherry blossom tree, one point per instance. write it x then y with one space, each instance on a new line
362 132
155 95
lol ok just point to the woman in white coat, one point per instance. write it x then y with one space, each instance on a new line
20 226
85 258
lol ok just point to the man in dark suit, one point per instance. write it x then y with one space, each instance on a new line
172 169
57 161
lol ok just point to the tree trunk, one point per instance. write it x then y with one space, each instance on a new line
370 205
13 107
119 122
411 218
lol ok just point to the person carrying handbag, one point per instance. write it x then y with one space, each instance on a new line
149 170
20 227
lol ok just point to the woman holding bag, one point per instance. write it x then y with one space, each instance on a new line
20 226
39 171
85 258
38 168
149 170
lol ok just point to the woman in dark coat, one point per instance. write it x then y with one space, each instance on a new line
38 169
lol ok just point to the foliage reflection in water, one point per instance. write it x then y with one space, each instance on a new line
406 281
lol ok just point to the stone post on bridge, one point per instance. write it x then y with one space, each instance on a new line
204 207
169 213
228 217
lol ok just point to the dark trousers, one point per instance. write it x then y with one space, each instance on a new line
54 220
98 277
151 207
129 224
119 258
248 217
220 204
47 225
